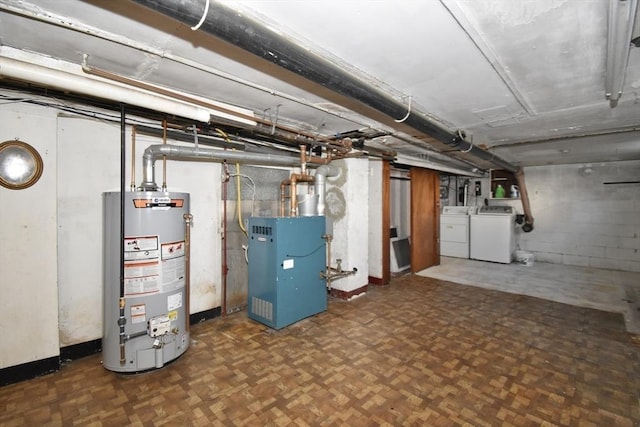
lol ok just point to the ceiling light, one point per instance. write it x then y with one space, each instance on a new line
20 165
621 18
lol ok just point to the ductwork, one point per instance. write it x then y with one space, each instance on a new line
192 153
250 35
320 184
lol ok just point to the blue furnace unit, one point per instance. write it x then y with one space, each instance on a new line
286 258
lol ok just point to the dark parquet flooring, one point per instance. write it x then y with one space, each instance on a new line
419 352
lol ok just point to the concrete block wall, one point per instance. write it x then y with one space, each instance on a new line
580 219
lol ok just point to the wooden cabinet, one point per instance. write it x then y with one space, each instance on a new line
505 179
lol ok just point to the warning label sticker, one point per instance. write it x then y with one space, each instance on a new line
138 313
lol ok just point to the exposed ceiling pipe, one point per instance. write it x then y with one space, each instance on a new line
18 65
246 33
192 153
31 11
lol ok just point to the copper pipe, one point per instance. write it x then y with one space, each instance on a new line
321 160
303 159
187 271
225 268
283 186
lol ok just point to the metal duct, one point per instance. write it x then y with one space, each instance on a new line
192 153
321 183
252 36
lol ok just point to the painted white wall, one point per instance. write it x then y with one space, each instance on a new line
88 164
347 195
28 270
375 218
51 233
581 221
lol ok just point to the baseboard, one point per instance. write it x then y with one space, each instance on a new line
77 351
378 281
26 371
205 315
337 293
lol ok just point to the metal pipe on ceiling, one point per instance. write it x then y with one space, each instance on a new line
246 33
192 153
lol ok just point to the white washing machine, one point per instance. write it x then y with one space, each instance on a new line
454 231
492 234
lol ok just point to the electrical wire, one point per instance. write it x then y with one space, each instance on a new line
204 16
306 255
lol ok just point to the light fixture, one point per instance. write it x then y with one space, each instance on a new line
622 14
20 165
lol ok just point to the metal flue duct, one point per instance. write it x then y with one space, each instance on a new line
192 153
250 35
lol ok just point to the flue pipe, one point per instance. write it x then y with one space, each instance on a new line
293 192
257 38
192 153
524 198
320 184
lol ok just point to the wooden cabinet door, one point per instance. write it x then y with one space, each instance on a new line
425 219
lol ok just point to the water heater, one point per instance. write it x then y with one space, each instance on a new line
152 329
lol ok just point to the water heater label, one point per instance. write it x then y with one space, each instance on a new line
138 313
139 248
174 301
172 250
287 264
158 202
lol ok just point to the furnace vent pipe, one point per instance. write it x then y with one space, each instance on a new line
252 36
192 153
320 184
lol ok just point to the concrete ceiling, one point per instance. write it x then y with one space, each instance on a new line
524 79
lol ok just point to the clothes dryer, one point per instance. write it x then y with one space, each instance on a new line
492 234
454 231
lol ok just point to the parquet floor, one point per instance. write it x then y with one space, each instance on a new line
419 352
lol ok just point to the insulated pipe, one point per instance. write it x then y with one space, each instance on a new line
72 79
321 183
192 153
246 33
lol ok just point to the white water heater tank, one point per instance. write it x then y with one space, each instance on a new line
155 301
